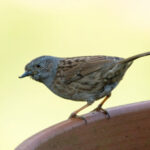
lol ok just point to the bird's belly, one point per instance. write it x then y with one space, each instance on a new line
84 95
87 89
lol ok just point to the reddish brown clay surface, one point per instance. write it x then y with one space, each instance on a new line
128 129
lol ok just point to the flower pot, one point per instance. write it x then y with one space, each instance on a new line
127 129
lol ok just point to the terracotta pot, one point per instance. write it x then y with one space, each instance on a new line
128 129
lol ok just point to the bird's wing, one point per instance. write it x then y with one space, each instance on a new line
77 67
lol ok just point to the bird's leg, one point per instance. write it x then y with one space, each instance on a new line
74 114
99 108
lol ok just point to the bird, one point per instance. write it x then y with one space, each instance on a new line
82 78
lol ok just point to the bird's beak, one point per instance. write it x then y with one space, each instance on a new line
27 73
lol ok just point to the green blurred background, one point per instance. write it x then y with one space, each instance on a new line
64 28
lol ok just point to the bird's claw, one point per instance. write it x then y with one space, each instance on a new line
105 112
74 116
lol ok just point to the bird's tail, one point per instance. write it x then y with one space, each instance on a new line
133 58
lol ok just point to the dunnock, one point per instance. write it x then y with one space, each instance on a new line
86 78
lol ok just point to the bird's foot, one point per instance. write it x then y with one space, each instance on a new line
105 112
75 116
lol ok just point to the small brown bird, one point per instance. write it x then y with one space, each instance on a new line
85 78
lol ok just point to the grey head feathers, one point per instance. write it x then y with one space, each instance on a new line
42 69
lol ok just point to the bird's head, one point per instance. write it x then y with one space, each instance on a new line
39 69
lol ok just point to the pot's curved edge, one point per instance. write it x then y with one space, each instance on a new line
34 141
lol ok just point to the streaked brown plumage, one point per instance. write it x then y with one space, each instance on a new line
85 78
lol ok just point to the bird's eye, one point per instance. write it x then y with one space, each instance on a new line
38 66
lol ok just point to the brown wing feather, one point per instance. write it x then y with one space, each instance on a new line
76 68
